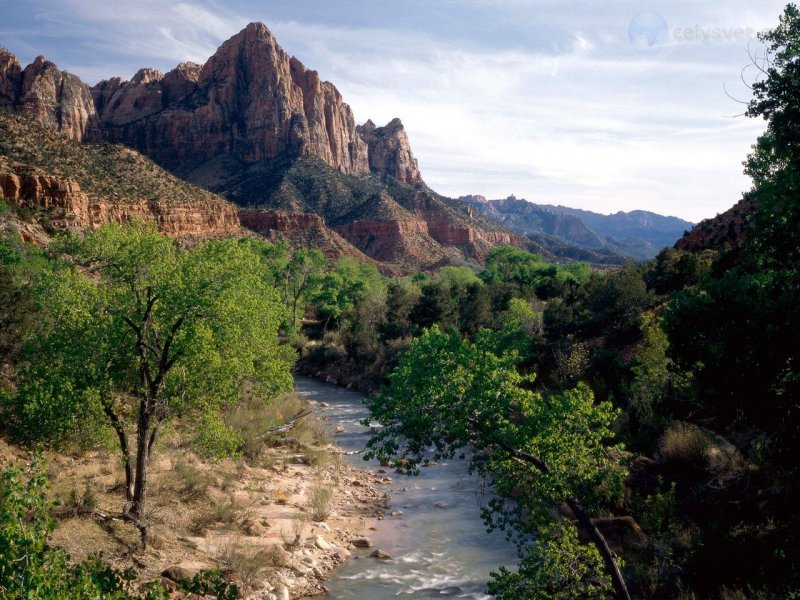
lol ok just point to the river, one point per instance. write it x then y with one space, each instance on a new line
439 544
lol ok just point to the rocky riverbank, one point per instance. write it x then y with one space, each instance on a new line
276 528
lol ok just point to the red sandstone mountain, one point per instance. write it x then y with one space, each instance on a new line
256 126
249 101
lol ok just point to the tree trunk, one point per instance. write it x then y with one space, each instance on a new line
119 428
599 541
137 505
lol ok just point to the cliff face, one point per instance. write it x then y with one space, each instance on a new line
390 151
55 98
264 221
68 208
250 101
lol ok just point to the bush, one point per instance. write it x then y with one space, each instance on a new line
320 494
253 418
686 444
215 439
195 481
82 504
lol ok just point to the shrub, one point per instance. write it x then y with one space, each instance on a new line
250 562
685 444
218 511
294 537
195 481
320 494
253 418
215 439
82 504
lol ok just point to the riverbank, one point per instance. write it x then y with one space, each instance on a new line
277 528
433 532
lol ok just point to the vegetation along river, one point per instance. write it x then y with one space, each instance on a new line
439 545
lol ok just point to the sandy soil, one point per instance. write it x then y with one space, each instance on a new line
278 529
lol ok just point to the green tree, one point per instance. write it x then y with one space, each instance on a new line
147 330
301 277
736 333
341 288
529 272
539 452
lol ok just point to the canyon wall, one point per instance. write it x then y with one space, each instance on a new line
68 208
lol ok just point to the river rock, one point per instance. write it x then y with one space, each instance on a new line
380 554
184 570
322 543
282 593
363 542
255 528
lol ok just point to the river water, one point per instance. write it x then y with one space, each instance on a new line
439 544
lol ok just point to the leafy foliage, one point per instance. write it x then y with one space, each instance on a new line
153 333
483 405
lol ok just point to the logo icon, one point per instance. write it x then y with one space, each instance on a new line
648 30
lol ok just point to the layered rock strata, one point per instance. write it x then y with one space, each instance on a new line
68 208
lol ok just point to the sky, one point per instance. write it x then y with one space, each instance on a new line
602 105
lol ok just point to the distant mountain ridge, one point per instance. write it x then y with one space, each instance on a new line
637 234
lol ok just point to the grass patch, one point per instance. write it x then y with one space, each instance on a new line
320 495
194 481
223 511
684 444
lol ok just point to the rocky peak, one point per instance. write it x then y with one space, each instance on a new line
250 101
53 97
147 75
10 78
180 82
390 151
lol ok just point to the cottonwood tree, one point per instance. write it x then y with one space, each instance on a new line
137 332
300 278
539 452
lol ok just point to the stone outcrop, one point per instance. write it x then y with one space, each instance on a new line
264 221
10 79
250 100
390 151
53 97
68 208
382 229
123 102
